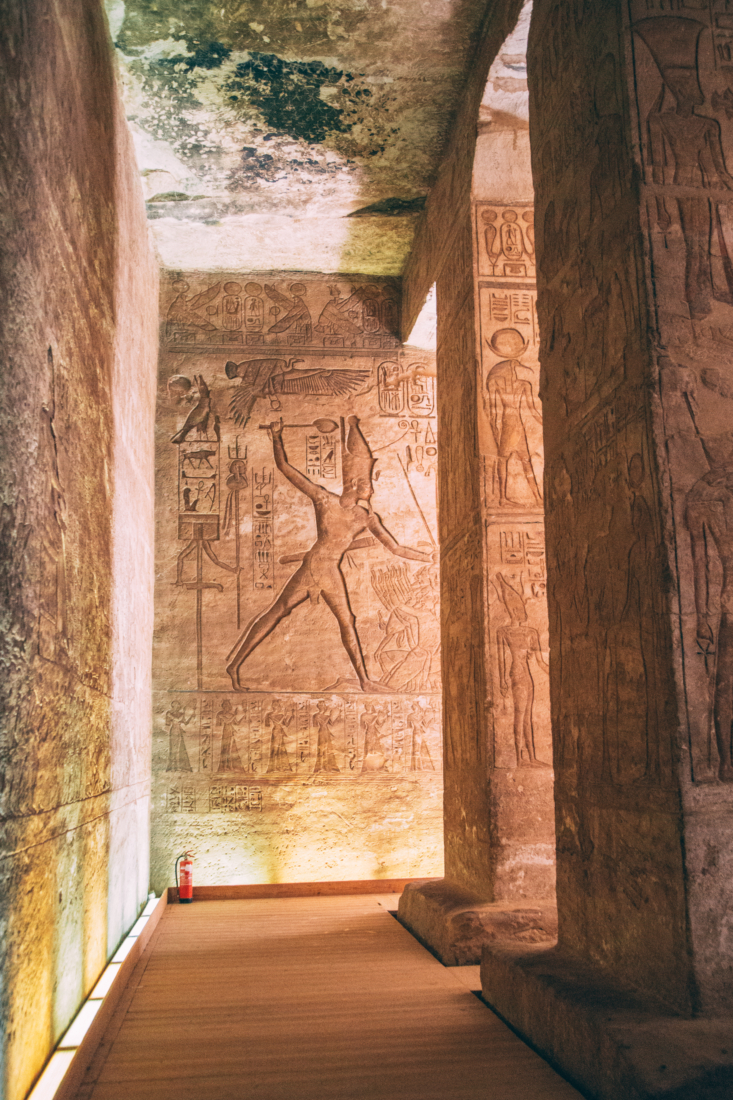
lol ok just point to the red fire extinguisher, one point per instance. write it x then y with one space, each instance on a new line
185 882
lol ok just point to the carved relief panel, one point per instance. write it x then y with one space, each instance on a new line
684 103
512 455
298 638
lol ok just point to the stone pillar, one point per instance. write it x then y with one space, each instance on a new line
499 820
632 142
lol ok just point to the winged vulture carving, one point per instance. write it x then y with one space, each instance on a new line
273 377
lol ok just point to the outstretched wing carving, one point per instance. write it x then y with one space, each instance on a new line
270 377
328 382
204 297
255 375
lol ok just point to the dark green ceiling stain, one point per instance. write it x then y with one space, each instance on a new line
391 207
288 95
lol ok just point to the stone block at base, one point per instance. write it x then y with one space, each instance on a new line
455 924
609 1042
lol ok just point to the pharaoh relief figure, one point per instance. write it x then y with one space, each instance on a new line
511 402
340 520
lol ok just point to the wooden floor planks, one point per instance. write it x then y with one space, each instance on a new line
323 998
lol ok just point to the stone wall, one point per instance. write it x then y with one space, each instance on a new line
303 747
78 286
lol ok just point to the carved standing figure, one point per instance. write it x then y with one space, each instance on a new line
177 754
510 401
709 518
518 643
371 723
229 759
278 721
420 758
339 521
324 719
692 143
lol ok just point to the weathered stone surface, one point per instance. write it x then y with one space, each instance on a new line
634 307
78 286
608 1039
280 136
456 923
283 750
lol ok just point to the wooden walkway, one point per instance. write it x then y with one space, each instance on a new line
306 999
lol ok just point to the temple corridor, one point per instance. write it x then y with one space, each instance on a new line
313 998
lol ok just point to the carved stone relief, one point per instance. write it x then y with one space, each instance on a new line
684 95
512 455
298 637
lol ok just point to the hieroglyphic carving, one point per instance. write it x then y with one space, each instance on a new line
510 436
276 737
505 241
218 798
199 502
406 389
263 532
180 799
366 317
297 731
231 799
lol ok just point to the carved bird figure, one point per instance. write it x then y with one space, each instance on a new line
272 377
297 314
199 414
182 310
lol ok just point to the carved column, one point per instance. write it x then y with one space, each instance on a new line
499 813
516 640
632 146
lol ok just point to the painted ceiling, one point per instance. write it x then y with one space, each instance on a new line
290 134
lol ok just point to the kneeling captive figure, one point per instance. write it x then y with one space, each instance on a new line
339 521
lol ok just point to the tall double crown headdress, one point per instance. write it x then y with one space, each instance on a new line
357 460
672 41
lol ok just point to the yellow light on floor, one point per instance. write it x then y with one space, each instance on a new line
52 1076
138 926
73 1037
104 984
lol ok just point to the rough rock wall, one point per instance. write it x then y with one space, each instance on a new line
632 144
78 287
306 746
